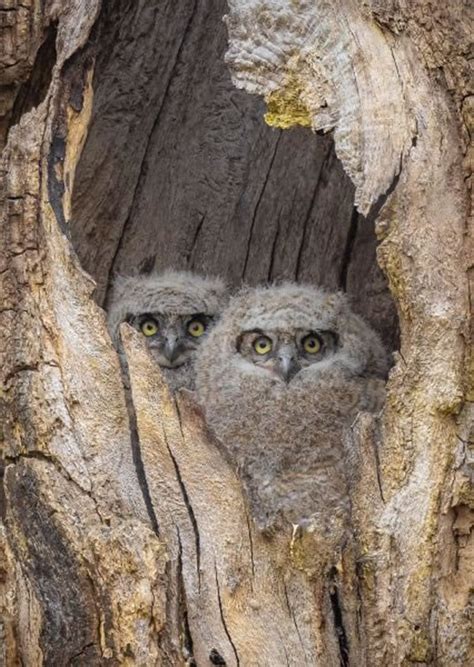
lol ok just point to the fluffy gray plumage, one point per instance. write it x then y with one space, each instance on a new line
281 413
174 310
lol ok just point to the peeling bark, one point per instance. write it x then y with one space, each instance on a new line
126 539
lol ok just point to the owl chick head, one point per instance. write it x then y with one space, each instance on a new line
173 310
289 330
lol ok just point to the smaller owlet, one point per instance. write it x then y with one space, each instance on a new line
281 378
174 311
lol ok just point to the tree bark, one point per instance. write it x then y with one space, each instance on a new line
126 539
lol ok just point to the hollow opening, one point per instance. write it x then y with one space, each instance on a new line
180 170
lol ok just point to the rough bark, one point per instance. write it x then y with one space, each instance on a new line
126 539
403 135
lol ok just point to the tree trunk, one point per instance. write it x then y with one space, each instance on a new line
126 539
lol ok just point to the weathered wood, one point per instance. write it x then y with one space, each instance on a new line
86 575
395 128
85 578
207 185
20 37
250 598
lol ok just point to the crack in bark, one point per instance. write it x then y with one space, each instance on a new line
221 611
141 473
56 188
339 623
349 247
128 220
23 250
190 253
272 253
192 517
182 605
136 449
216 658
81 652
257 206
382 199
308 214
377 467
293 618
36 455
22 368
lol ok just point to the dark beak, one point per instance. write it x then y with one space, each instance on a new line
287 364
171 349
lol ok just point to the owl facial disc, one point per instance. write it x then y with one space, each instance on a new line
174 311
172 339
282 353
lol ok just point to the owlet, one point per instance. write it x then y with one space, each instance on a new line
174 311
281 378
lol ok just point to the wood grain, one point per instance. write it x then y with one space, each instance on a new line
180 170
86 576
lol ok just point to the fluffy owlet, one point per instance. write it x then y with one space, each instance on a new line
281 377
174 311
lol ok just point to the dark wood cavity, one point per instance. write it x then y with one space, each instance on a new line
180 170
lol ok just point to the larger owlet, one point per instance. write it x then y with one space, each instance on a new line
174 311
281 377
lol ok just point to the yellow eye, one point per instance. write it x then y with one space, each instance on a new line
311 344
196 328
149 327
262 345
